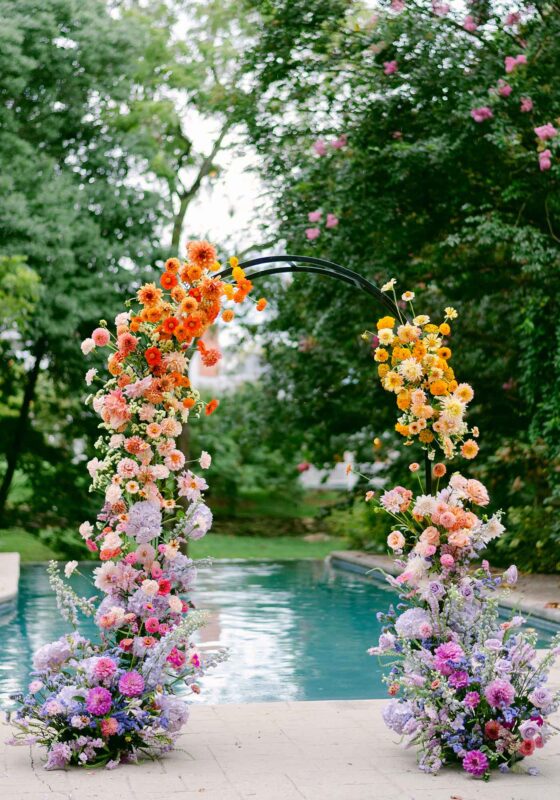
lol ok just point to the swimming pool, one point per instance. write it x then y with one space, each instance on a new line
297 630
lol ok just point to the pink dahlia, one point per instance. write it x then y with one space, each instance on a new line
499 693
476 763
131 684
98 701
101 337
104 668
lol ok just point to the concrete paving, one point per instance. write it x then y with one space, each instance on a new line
9 577
333 750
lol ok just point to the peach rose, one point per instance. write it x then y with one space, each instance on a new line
460 538
430 535
396 540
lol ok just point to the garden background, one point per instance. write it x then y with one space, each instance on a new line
410 126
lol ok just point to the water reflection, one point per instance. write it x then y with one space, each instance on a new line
295 630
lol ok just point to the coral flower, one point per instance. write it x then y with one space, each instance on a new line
170 325
469 449
202 254
109 727
261 304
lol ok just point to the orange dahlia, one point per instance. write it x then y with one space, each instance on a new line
201 253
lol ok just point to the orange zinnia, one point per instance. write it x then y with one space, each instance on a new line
211 407
201 253
170 325
153 356
149 294
189 402
168 280
189 304
153 314
194 273
193 324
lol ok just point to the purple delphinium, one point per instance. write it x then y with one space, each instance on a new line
476 763
99 701
58 756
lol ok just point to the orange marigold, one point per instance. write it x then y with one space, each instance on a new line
438 388
444 329
228 315
149 294
445 353
193 324
469 449
178 294
201 253
261 304
189 402
168 280
189 304
426 436
193 273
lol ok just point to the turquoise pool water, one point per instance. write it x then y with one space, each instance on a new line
296 630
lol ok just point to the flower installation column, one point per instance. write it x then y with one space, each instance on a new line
468 688
102 703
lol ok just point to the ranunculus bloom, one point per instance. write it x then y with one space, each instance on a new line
396 540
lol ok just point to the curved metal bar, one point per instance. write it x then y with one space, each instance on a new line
319 266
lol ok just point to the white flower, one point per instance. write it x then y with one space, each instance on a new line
421 319
85 530
410 369
408 296
175 603
450 313
150 588
205 459
122 318
385 336
113 493
452 406
90 375
70 568
389 285
425 505
492 529
87 346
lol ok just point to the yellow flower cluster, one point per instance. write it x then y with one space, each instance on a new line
413 363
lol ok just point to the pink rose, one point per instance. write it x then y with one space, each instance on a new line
396 540
320 147
504 89
526 105
390 67
338 144
481 113
545 132
469 24
314 216
312 233
447 560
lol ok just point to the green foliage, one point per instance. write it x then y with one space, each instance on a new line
456 210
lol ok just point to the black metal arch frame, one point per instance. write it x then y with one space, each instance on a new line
320 266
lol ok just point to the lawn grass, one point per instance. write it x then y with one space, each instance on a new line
28 545
216 545
278 548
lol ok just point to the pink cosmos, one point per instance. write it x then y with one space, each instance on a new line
390 67
526 105
314 216
312 233
332 221
469 24
101 337
320 147
545 132
545 162
481 113
131 684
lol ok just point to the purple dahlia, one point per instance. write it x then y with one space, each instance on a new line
99 701
476 763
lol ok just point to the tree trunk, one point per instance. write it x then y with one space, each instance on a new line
15 447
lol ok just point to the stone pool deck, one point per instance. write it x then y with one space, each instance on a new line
333 750
537 595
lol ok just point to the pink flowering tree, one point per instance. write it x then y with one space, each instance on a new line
449 176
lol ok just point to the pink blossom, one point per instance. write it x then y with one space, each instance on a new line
397 5
512 18
526 104
131 684
545 161
314 216
469 24
340 142
312 233
320 147
390 67
481 113
512 62
87 346
447 560
332 221
504 89
440 9
545 132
